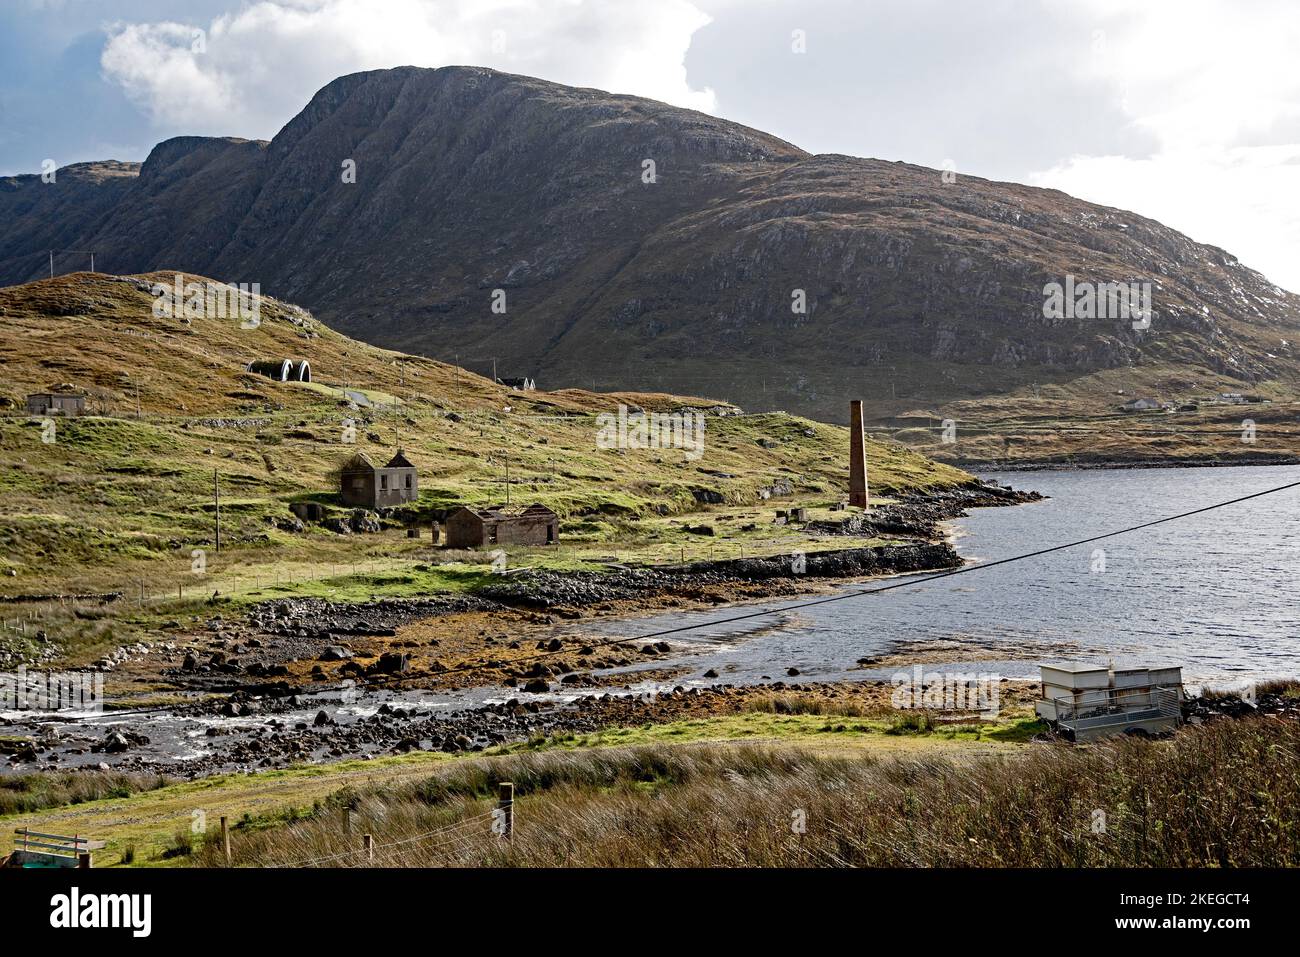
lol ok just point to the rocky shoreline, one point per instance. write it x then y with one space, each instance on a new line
540 589
1081 465
286 735
922 516
287 646
272 667
285 669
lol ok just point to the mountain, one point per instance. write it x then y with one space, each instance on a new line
919 292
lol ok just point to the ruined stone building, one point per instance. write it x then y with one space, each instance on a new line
363 485
56 403
473 528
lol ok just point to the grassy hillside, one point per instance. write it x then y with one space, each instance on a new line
1082 422
120 497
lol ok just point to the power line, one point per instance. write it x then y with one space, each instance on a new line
973 568
966 569
765 612
51 252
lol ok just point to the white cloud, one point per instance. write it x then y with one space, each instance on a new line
1216 87
263 62
1241 199
156 65
1187 111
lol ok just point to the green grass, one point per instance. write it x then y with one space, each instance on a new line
25 793
120 500
147 820
792 728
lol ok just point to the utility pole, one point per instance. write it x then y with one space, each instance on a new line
216 502
401 378
92 262
494 368
51 263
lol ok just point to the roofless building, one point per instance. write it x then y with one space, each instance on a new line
474 528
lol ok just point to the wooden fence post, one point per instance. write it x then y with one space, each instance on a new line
369 843
506 805
225 838
347 820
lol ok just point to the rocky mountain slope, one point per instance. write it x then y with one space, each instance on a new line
919 292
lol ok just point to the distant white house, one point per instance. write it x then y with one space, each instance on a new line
1142 405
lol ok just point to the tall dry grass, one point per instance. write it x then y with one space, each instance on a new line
1227 794
37 790
830 707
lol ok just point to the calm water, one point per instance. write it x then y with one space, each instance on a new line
1216 593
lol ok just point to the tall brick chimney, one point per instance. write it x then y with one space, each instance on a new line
857 457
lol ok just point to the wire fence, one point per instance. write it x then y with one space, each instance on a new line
462 835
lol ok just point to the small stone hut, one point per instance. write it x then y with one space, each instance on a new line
56 403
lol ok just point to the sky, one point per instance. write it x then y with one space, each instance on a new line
1186 111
